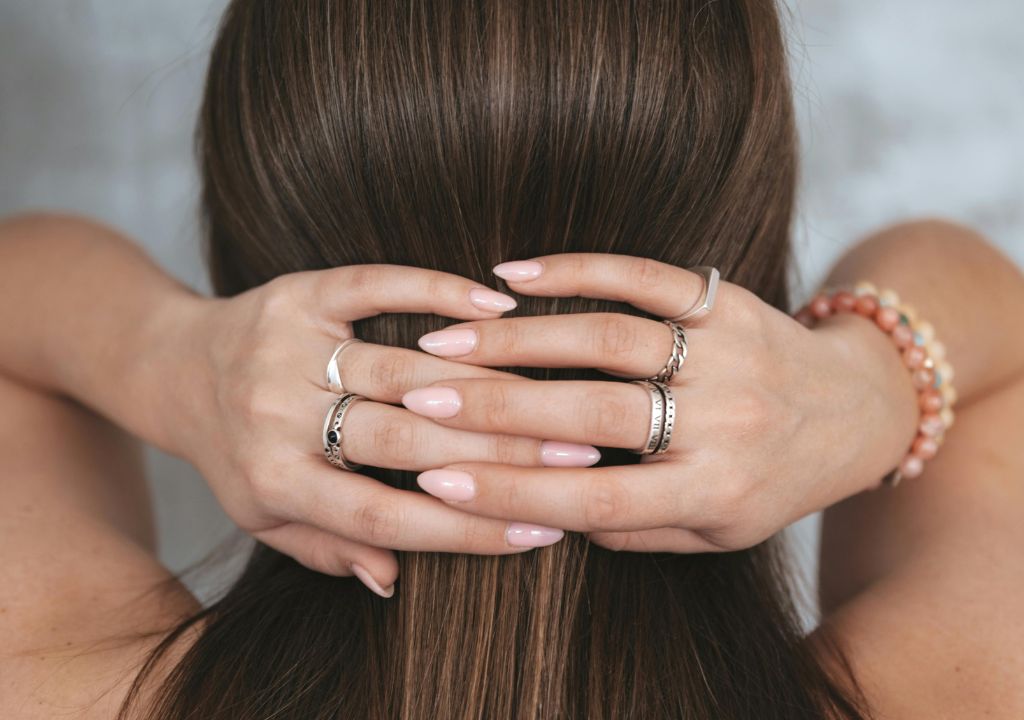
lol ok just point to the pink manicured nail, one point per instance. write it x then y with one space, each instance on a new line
519 270
524 535
491 300
449 343
367 579
562 454
448 484
433 402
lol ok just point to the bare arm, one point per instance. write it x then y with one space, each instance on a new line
924 582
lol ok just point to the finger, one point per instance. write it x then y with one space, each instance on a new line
674 540
363 510
631 497
333 555
606 414
656 287
354 292
385 436
384 373
612 342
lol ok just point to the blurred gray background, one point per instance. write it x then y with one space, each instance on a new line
907 108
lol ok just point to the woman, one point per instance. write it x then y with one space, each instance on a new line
600 148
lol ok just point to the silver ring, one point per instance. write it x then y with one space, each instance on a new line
334 371
677 358
663 417
332 431
702 307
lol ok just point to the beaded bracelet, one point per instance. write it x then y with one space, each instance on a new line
923 355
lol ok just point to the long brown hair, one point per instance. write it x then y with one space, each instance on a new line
456 134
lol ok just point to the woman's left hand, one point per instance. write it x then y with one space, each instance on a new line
774 421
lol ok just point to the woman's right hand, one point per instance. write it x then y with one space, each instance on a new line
252 396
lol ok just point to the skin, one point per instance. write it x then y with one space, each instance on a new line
919 582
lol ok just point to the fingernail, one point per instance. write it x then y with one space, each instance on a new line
448 484
519 270
562 454
491 300
449 343
433 402
367 579
524 535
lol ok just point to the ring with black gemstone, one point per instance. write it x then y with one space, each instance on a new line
332 431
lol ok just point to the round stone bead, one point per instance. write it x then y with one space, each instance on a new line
931 425
924 379
865 288
887 318
937 350
821 307
911 467
927 332
888 298
909 312
945 370
930 401
903 336
867 305
947 416
948 394
844 301
914 356
924 447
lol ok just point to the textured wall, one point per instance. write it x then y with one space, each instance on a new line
907 108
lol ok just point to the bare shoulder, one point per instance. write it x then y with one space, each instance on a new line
944 636
81 592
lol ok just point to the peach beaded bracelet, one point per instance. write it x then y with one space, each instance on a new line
923 355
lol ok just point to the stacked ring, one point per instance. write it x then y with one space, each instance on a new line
663 417
333 450
709 289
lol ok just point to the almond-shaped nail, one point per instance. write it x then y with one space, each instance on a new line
433 402
519 270
563 454
449 343
526 535
453 485
367 579
491 300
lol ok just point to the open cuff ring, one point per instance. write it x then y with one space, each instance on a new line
334 370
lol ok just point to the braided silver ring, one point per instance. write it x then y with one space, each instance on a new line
333 370
677 358
663 417
332 431
709 278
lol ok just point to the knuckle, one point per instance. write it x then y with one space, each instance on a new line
615 337
509 339
477 535
394 439
507 449
363 278
391 373
605 503
645 272
378 522
601 419
496 404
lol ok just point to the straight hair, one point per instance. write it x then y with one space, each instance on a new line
453 135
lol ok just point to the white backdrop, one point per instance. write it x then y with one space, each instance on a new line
907 108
